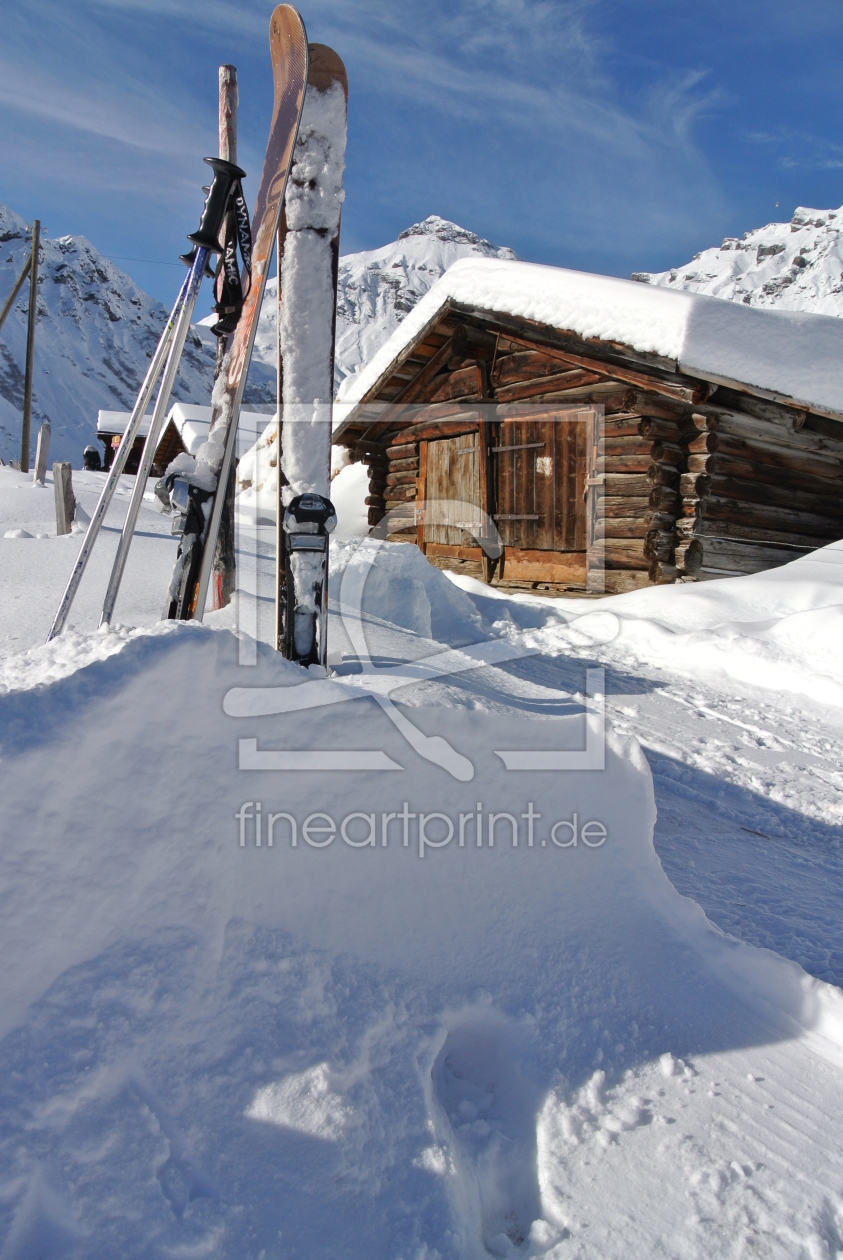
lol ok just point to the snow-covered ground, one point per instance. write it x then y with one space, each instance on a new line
426 1050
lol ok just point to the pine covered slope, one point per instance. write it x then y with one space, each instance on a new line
378 287
796 266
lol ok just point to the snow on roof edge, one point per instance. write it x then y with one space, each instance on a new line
794 356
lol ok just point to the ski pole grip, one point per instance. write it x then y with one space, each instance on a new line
207 234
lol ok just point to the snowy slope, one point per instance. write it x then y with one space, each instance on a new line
796 266
94 335
378 287
532 1051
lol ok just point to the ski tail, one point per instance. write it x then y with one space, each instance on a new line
289 52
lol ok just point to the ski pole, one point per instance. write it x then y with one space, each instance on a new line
179 336
123 451
205 241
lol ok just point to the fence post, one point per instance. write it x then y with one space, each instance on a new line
41 452
30 346
65 501
224 574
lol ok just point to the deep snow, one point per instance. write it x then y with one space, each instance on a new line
537 1050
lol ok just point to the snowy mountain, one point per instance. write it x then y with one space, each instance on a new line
378 287
796 266
95 333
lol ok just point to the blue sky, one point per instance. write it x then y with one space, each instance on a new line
607 135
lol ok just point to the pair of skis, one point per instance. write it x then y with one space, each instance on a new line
199 493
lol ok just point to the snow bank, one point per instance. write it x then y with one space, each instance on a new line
360 1045
364 1043
792 354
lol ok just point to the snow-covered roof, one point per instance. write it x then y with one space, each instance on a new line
192 424
790 355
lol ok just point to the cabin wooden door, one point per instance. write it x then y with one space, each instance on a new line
541 467
452 491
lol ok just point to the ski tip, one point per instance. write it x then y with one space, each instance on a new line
326 67
286 27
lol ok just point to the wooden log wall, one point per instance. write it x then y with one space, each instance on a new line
763 486
692 489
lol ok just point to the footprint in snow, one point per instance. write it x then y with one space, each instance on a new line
485 1114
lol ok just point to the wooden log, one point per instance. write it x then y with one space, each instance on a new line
467 382
401 479
622 553
621 424
729 553
30 345
774 518
619 581
573 379
524 565
627 463
523 365
659 544
791 419
684 389
654 519
702 485
655 428
688 556
663 475
622 444
733 424
409 450
626 484
621 527
608 393
666 498
759 452
725 465
446 427
692 526
400 494
65 500
668 453
375 515
468 339
402 465
619 506
662 573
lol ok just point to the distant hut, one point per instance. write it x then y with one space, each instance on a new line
186 428
701 438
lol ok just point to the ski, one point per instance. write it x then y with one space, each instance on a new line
308 254
199 489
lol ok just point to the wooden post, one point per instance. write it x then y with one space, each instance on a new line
224 576
10 300
30 347
41 453
65 501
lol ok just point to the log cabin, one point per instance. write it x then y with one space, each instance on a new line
619 435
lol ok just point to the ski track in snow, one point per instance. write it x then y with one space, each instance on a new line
182 1075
